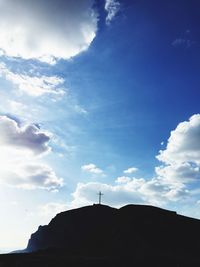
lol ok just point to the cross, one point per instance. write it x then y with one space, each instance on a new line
100 194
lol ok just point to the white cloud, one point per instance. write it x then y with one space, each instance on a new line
180 173
29 137
172 182
117 195
46 30
122 179
153 192
20 167
181 157
91 168
160 192
130 170
112 7
33 85
34 176
183 144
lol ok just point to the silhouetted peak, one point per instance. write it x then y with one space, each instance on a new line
100 230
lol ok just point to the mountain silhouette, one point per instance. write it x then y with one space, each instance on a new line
101 235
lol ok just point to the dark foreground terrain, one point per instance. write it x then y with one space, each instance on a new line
99 235
60 260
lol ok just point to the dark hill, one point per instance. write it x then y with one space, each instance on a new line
131 231
100 235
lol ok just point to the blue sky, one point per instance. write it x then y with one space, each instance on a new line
97 96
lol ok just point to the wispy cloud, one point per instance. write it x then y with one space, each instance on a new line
112 7
80 109
33 85
131 170
182 42
122 180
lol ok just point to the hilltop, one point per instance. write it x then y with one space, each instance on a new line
101 234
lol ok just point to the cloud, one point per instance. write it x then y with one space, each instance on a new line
173 178
16 106
153 192
112 7
33 85
122 179
86 194
91 168
80 109
34 176
130 170
20 165
182 42
158 191
181 158
29 137
183 144
182 173
46 30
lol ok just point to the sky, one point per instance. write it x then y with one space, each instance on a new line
97 96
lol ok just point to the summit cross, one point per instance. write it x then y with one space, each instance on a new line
100 195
